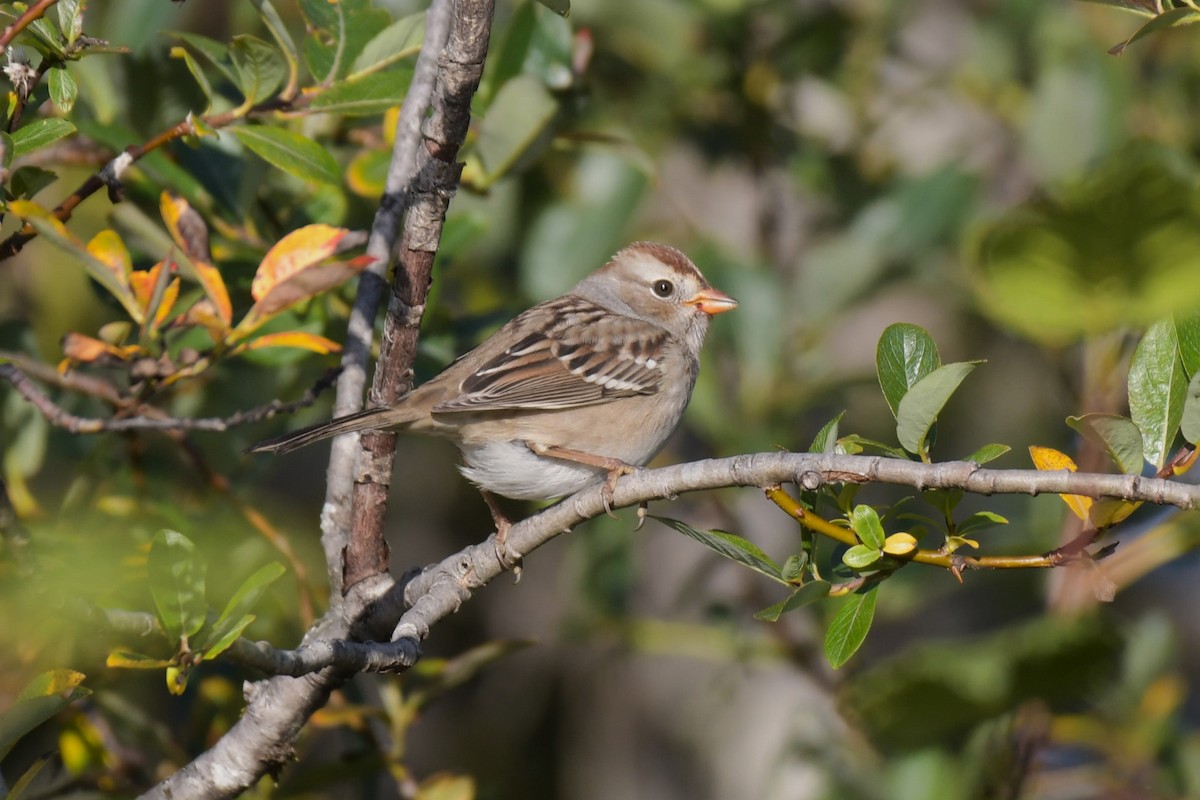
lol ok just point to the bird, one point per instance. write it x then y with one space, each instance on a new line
577 390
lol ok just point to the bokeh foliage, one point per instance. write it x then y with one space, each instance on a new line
985 171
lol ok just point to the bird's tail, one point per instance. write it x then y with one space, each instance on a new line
381 417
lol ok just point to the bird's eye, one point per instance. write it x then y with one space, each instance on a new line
663 288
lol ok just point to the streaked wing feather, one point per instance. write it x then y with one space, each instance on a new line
575 354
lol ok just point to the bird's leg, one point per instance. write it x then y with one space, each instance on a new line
502 523
615 467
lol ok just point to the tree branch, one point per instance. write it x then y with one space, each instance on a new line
59 417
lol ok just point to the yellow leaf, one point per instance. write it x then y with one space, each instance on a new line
190 233
143 284
177 678
1108 512
298 339
297 288
299 250
1047 459
55 681
121 659
108 248
900 544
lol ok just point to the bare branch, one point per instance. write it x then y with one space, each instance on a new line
150 420
335 520
22 22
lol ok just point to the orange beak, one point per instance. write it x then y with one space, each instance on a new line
712 302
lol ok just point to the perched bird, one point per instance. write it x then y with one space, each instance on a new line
579 389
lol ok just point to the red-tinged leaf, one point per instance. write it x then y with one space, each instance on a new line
1047 459
299 287
297 339
84 349
146 283
108 248
188 230
298 251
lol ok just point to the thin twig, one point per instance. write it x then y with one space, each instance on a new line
22 22
61 418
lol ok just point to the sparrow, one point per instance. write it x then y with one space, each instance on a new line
576 390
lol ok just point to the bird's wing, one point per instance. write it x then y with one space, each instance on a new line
572 353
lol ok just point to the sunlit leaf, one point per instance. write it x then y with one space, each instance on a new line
399 40
1047 459
861 556
126 659
188 230
826 439
156 291
38 134
301 286
258 65
1120 438
981 520
295 154
1157 389
297 339
1110 510
989 452
63 89
849 627
519 115
864 521
84 349
905 354
176 575
295 252
107 247
371 94
900 544
44 697
920 406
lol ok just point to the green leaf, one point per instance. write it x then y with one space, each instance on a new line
28 181
39 133
259 67
197 73
866 525
1190 423
906 353
338 32
1120 437
1168 19
849 627
63 89
1188 328
1157 387
517 118
861 556
855 444
806 595
397 41
215 52
560 7
920 406
283 39
44 697
215 645
731 546
6 141
70 19
22 784
177 584
826 439
290 152
372 94
980 520
989 452
238 609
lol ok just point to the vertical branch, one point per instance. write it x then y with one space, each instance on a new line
402 170
436 180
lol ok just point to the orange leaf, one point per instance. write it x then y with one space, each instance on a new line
188 230
84 349
108 249
299 250
144 284
299 339
300 287
1047 459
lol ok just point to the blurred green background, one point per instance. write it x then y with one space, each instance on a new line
982 168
